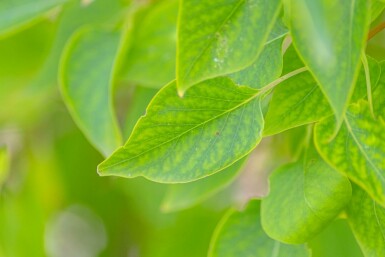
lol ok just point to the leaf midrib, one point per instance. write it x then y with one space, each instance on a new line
185 132
362 150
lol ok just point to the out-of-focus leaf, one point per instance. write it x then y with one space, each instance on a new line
182 196
183 139
86 75
376 8
217 37
4 165
316 24
75 15
150 60
367 220
139 101
304 197
268 65
358 149
241 234
19 64
336 240
15 14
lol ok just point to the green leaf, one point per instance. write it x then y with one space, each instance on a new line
182 196
217 37
16 14
336 240
4 165
139 100
379 95
241 234
358 149
268 65
304 197
296 101
299 100
367 220
361 88
183 139
99 13
376 8
86 74
150 61
331 48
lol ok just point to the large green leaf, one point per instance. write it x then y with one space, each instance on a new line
241 234
299 100
358 149
15 14
86 75
367 220
269 64
183 139
182 196
217 37
150 61
331 48
304 197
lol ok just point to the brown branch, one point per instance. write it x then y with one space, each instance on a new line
376 30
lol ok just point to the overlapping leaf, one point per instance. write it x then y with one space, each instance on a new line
86 74
241 234
217 37
182 196
367 220
268 65
299 100
183 139
358 149
304 197
331 48
17 13
150 61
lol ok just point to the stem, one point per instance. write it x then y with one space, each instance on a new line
281 79
376 30
368 82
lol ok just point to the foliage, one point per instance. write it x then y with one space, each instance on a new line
194 109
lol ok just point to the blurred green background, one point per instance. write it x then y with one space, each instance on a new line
52 202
